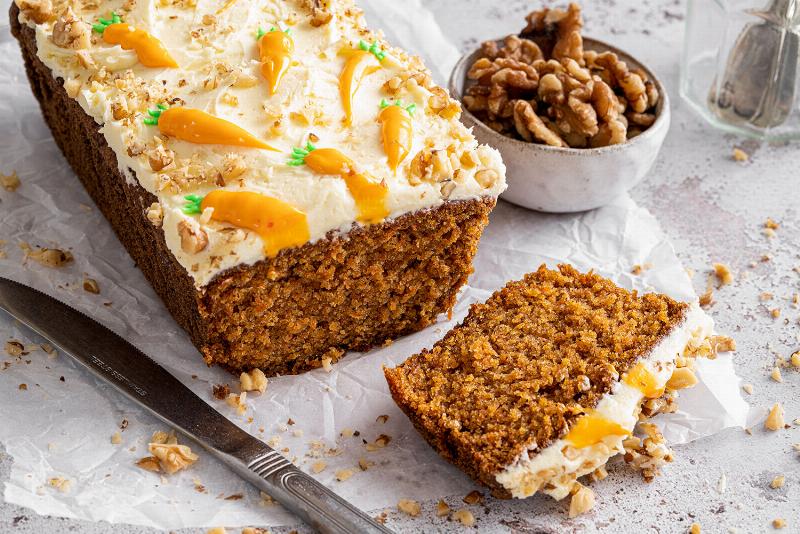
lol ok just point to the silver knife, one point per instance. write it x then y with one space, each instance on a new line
133 373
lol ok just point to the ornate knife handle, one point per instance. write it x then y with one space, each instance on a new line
316 504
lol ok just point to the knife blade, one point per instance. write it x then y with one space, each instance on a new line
141 379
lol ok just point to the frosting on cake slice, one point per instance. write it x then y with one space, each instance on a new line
308 122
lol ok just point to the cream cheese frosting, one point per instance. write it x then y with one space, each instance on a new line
214 42
554 469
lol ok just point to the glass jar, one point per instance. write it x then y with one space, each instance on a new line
740 65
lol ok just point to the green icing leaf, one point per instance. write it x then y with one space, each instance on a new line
192 205
102 23
373 49
152 120
299 155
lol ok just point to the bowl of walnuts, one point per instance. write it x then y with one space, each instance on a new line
578 121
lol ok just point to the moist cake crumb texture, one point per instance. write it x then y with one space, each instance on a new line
525 365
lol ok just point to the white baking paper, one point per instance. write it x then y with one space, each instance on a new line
61 425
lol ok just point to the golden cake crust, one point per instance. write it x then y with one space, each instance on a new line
524 365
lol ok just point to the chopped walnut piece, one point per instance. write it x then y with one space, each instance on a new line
775 419
14 348
60 483
707 298
237 401
160 157
582 501
442 509
748 388
795 359
530 126
155 214
71 32
681 378
320 12
465 517
473 497
723 274
255 380
775 374
9 182
172 457
344 474
72 87
777 482
90 285
193 239
409 507
39 11
740 155
49 257
149 463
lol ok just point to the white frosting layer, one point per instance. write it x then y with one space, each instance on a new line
216 50
553 472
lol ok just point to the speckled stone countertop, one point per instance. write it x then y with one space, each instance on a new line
714 209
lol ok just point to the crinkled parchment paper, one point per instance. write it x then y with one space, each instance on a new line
63 423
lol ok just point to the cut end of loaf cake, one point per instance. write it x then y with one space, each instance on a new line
542 383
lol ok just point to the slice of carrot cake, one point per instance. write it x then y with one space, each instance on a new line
547 380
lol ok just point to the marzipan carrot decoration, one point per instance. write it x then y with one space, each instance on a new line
275 48
370 197
397 131
279 224
150 51
360 63
196 126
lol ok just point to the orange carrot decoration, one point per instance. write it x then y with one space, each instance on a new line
359 64
397 131
370 197
196 126
275 48
150 51
279 224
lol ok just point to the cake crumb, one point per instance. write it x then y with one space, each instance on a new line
777 482
116 438
318 467
442 509
775 419
23 387
582 501
60 483
344 474
748 388
723 274
778 523
695 528
90 285
220 391
409 507
255 380
9 182
741 156
473 497
776 374
465 517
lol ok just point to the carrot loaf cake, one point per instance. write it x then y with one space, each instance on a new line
291 185
547 380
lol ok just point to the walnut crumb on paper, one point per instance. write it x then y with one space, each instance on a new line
723 274
255 380
695 529
344 474
216 530
409 507
149 463
9 182
172 457
60 483
465 517
775 419
90 285
116 438
582 501
776 374
442 509
14 348
740 155
748 388
777 482
49 257
778 523
318 467
473 497
237 401
771 225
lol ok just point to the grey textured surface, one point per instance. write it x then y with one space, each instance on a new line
714 209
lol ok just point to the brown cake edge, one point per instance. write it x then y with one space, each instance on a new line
124 204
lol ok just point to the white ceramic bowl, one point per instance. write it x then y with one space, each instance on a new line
563 180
